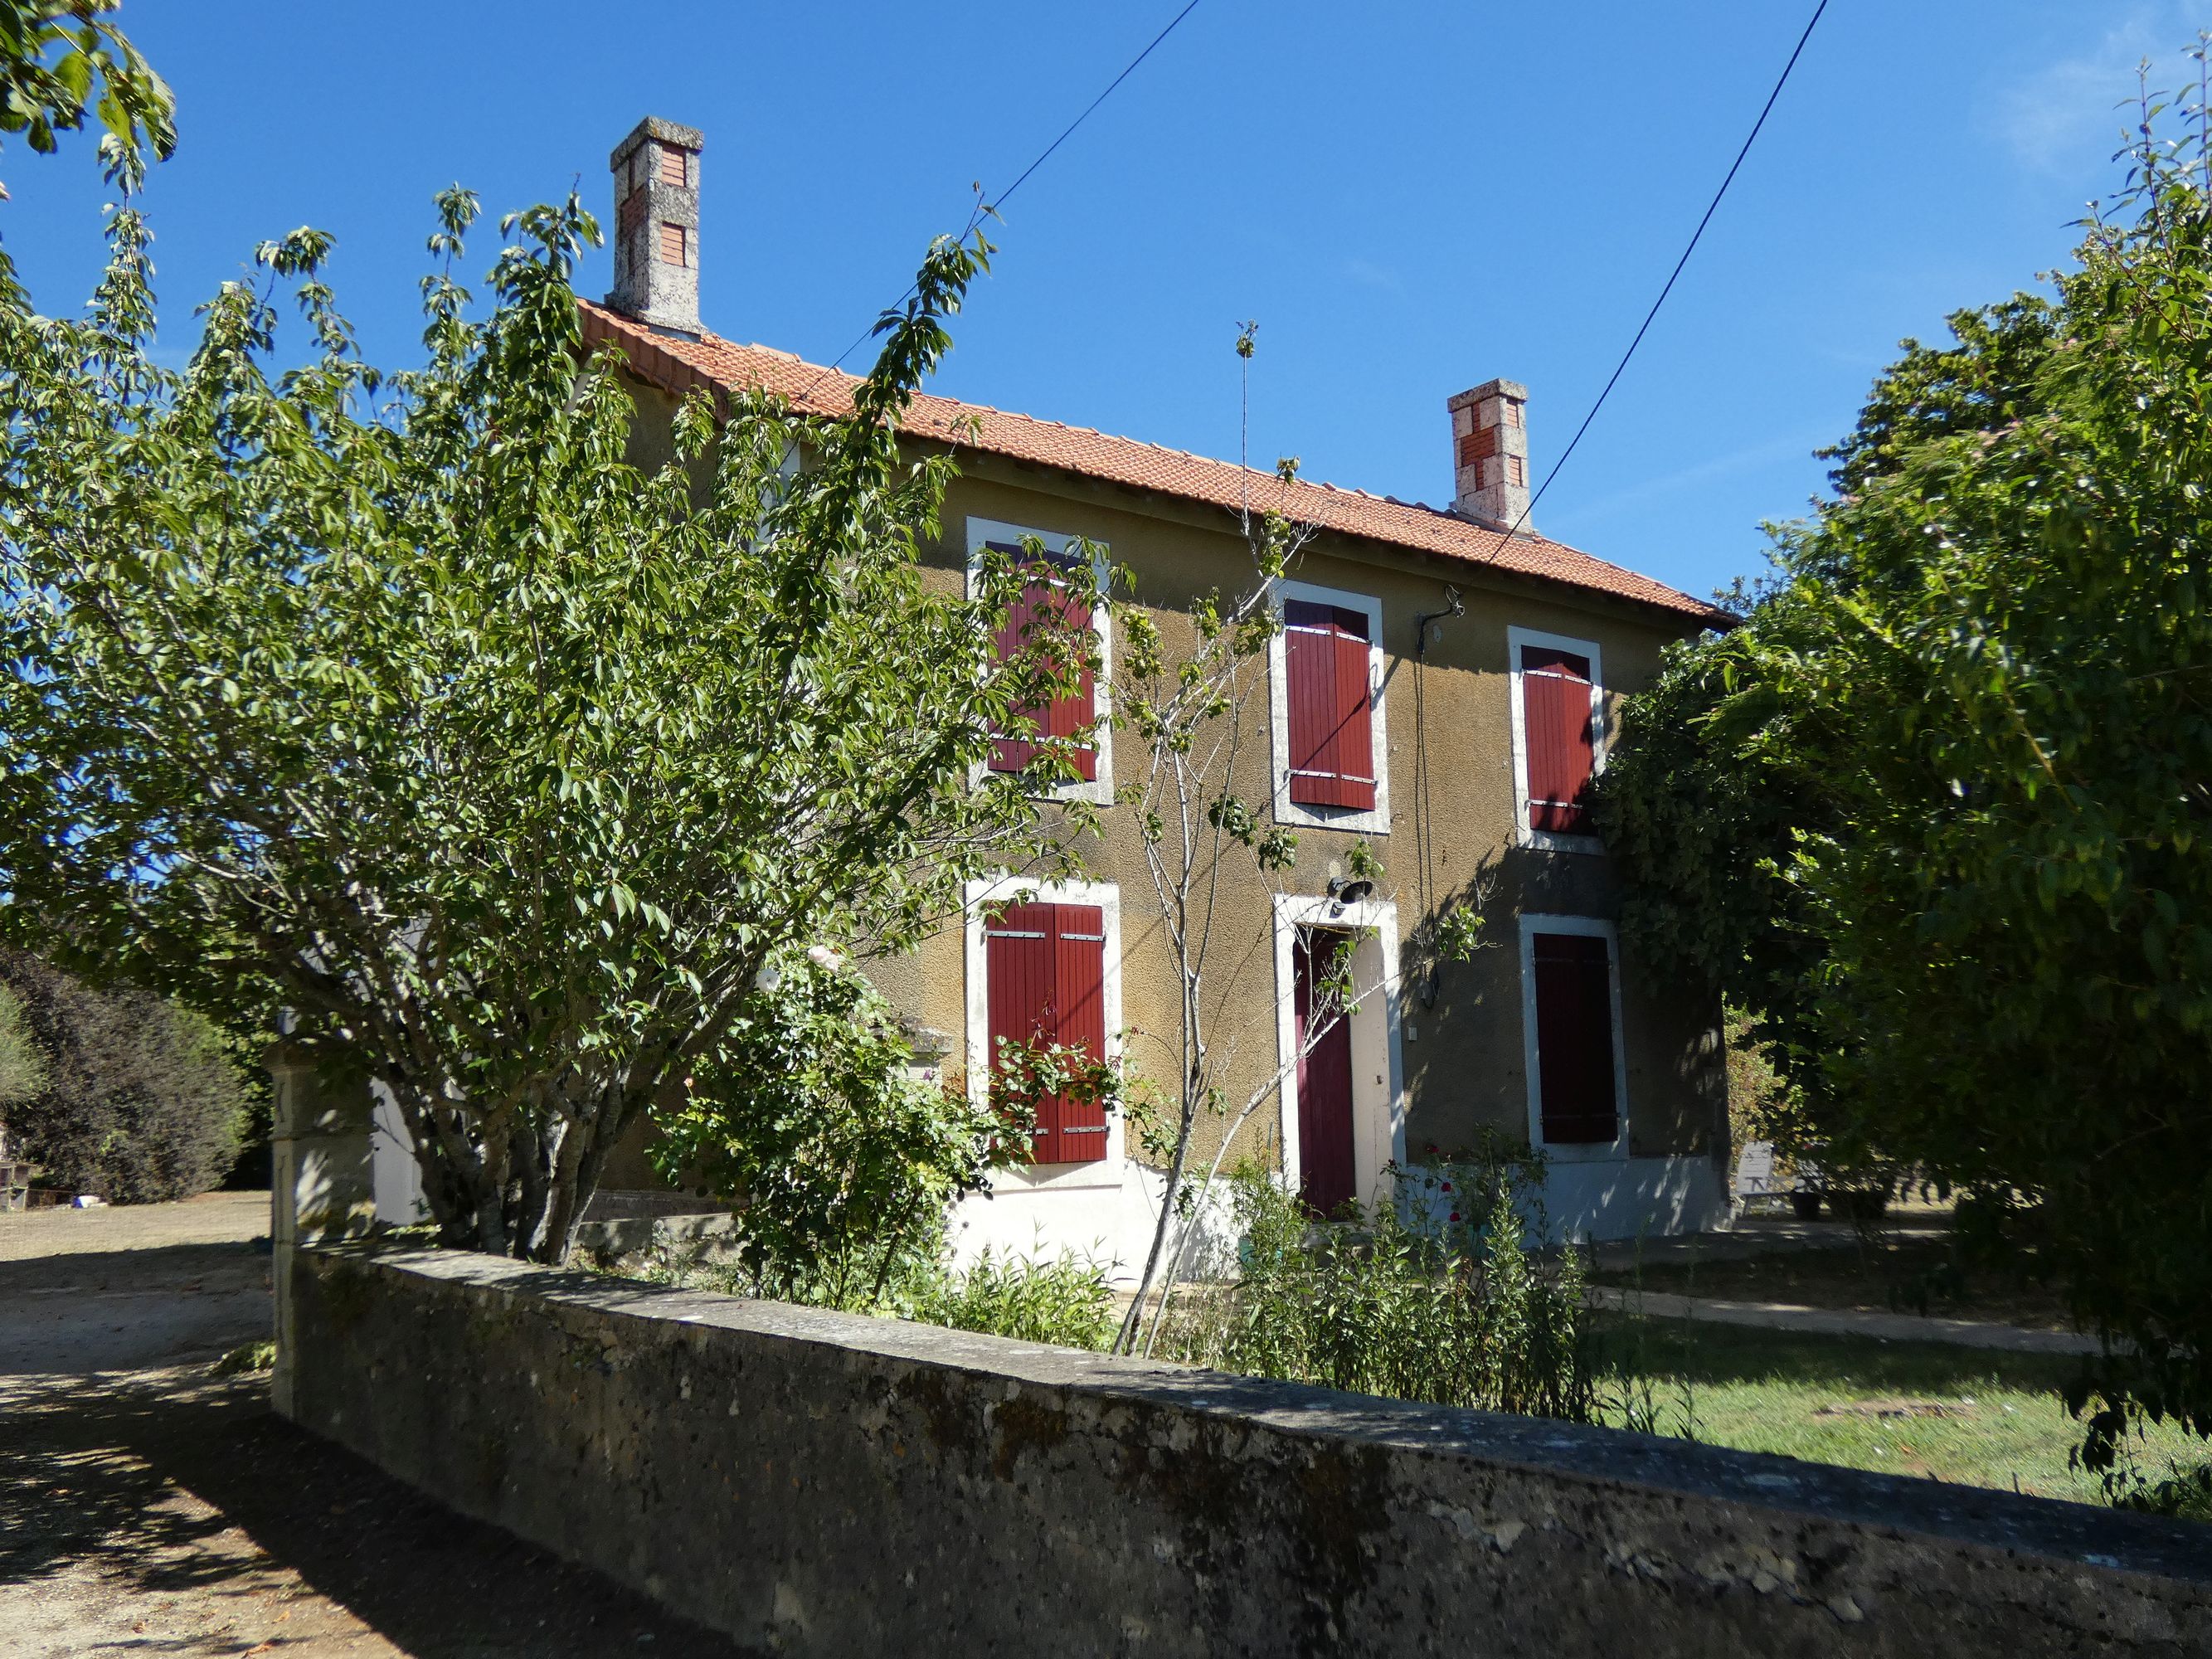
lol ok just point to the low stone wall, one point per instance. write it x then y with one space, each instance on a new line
824 1484
629 1229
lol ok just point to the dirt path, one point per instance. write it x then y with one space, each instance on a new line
147 1508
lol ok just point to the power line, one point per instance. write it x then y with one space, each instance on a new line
1711 208
982 207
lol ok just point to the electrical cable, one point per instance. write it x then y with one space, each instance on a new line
982 208
1710 208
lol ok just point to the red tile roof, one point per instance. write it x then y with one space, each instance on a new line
710 362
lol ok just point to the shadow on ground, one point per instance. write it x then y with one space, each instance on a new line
1707 1351
148 1507
114 1310
175 1487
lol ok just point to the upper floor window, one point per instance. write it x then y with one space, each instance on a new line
1046 602
1329 745
1558 738
1047 598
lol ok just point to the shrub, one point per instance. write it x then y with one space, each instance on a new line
841 1166
1065 1301
1453 1312
140 1097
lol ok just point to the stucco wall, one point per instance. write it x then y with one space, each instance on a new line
1462 1058
818 1483
1456 1066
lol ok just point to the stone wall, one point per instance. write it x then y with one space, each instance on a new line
820 1483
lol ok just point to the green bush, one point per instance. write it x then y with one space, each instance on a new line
1454 1312
841 1167
1065 1301
22 1064
139 1098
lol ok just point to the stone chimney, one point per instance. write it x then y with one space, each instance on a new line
656 173
1490 453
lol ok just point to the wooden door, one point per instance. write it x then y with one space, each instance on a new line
1326 1177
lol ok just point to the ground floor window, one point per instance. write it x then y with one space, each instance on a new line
1045 974
1571 997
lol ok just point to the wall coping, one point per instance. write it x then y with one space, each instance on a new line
1901 1507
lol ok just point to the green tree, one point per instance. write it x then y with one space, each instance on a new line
22 1066
506 765
1938 810
60 60
135 1099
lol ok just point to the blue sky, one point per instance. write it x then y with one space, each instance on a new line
1411 198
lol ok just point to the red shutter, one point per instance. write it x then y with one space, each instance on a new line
1556 718
1012 754
1574 1039
1325 658
1045 974
1069 715
1044 600
1079 988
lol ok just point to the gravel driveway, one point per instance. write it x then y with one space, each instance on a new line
146 1507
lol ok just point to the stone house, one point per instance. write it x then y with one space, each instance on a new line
1442 689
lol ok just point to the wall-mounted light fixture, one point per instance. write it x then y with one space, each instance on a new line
1342 892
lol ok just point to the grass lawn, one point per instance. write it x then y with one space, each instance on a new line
1965 1415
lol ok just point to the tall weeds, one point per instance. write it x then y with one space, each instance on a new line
1398 1303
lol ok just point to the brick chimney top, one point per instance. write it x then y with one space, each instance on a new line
1490 453
656 177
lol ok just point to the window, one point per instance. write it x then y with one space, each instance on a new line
1558 739
1045 603
1332 749
1045 974
1066 716
1328 707
1571 1008
674 245
672 169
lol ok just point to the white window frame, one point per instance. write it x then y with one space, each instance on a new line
1523 833
1375 821
980 533
1592 928
1106 1171
1378 1108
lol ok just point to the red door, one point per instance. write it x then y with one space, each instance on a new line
1326 1180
